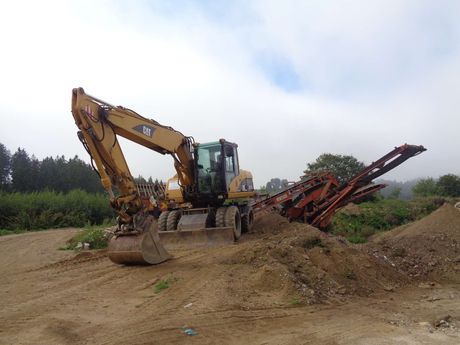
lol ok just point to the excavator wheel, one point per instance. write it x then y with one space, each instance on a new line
173 220
163 221
220 217
233 220
247 221
141 248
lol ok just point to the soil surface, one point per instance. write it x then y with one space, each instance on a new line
284 283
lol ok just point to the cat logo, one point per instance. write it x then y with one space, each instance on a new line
145 130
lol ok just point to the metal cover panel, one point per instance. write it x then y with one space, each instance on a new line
192 221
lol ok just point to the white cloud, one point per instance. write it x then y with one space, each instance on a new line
189 70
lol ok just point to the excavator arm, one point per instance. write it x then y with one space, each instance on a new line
99 125
136 238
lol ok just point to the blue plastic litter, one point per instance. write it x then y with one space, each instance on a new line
190 331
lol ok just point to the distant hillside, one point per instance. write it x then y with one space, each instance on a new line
405 187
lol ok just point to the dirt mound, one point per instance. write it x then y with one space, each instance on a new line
310 266
86 299
430 246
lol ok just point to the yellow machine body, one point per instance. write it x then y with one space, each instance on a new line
207 200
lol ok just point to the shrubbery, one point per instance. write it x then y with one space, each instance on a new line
380 215
44 210
94 235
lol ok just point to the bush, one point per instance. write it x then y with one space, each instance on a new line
44 210
381 215
95 236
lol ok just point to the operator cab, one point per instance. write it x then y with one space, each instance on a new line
216 167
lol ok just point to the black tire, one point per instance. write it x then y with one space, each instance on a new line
220 217
173 220
233 219
162 221
247 221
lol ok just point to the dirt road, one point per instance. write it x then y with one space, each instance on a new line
48 296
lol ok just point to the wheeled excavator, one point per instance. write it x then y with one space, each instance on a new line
210 195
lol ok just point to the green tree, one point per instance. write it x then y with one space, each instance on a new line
5 165
343 167
24 173
21 166
61 180
62 175
425 187
49 174
34 174
80 175
449 185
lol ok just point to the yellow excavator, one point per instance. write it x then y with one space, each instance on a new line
208 198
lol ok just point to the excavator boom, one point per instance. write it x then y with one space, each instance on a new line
136 238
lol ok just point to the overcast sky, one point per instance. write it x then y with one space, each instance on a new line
286 80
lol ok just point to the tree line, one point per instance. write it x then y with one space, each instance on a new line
22 172
446 185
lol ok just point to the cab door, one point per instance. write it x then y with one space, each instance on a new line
231 166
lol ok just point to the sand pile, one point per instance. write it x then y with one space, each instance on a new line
294 259
428 247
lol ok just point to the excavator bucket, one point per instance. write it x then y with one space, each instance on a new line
142 248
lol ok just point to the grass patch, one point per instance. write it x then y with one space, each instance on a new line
163 284
356 238
295 300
